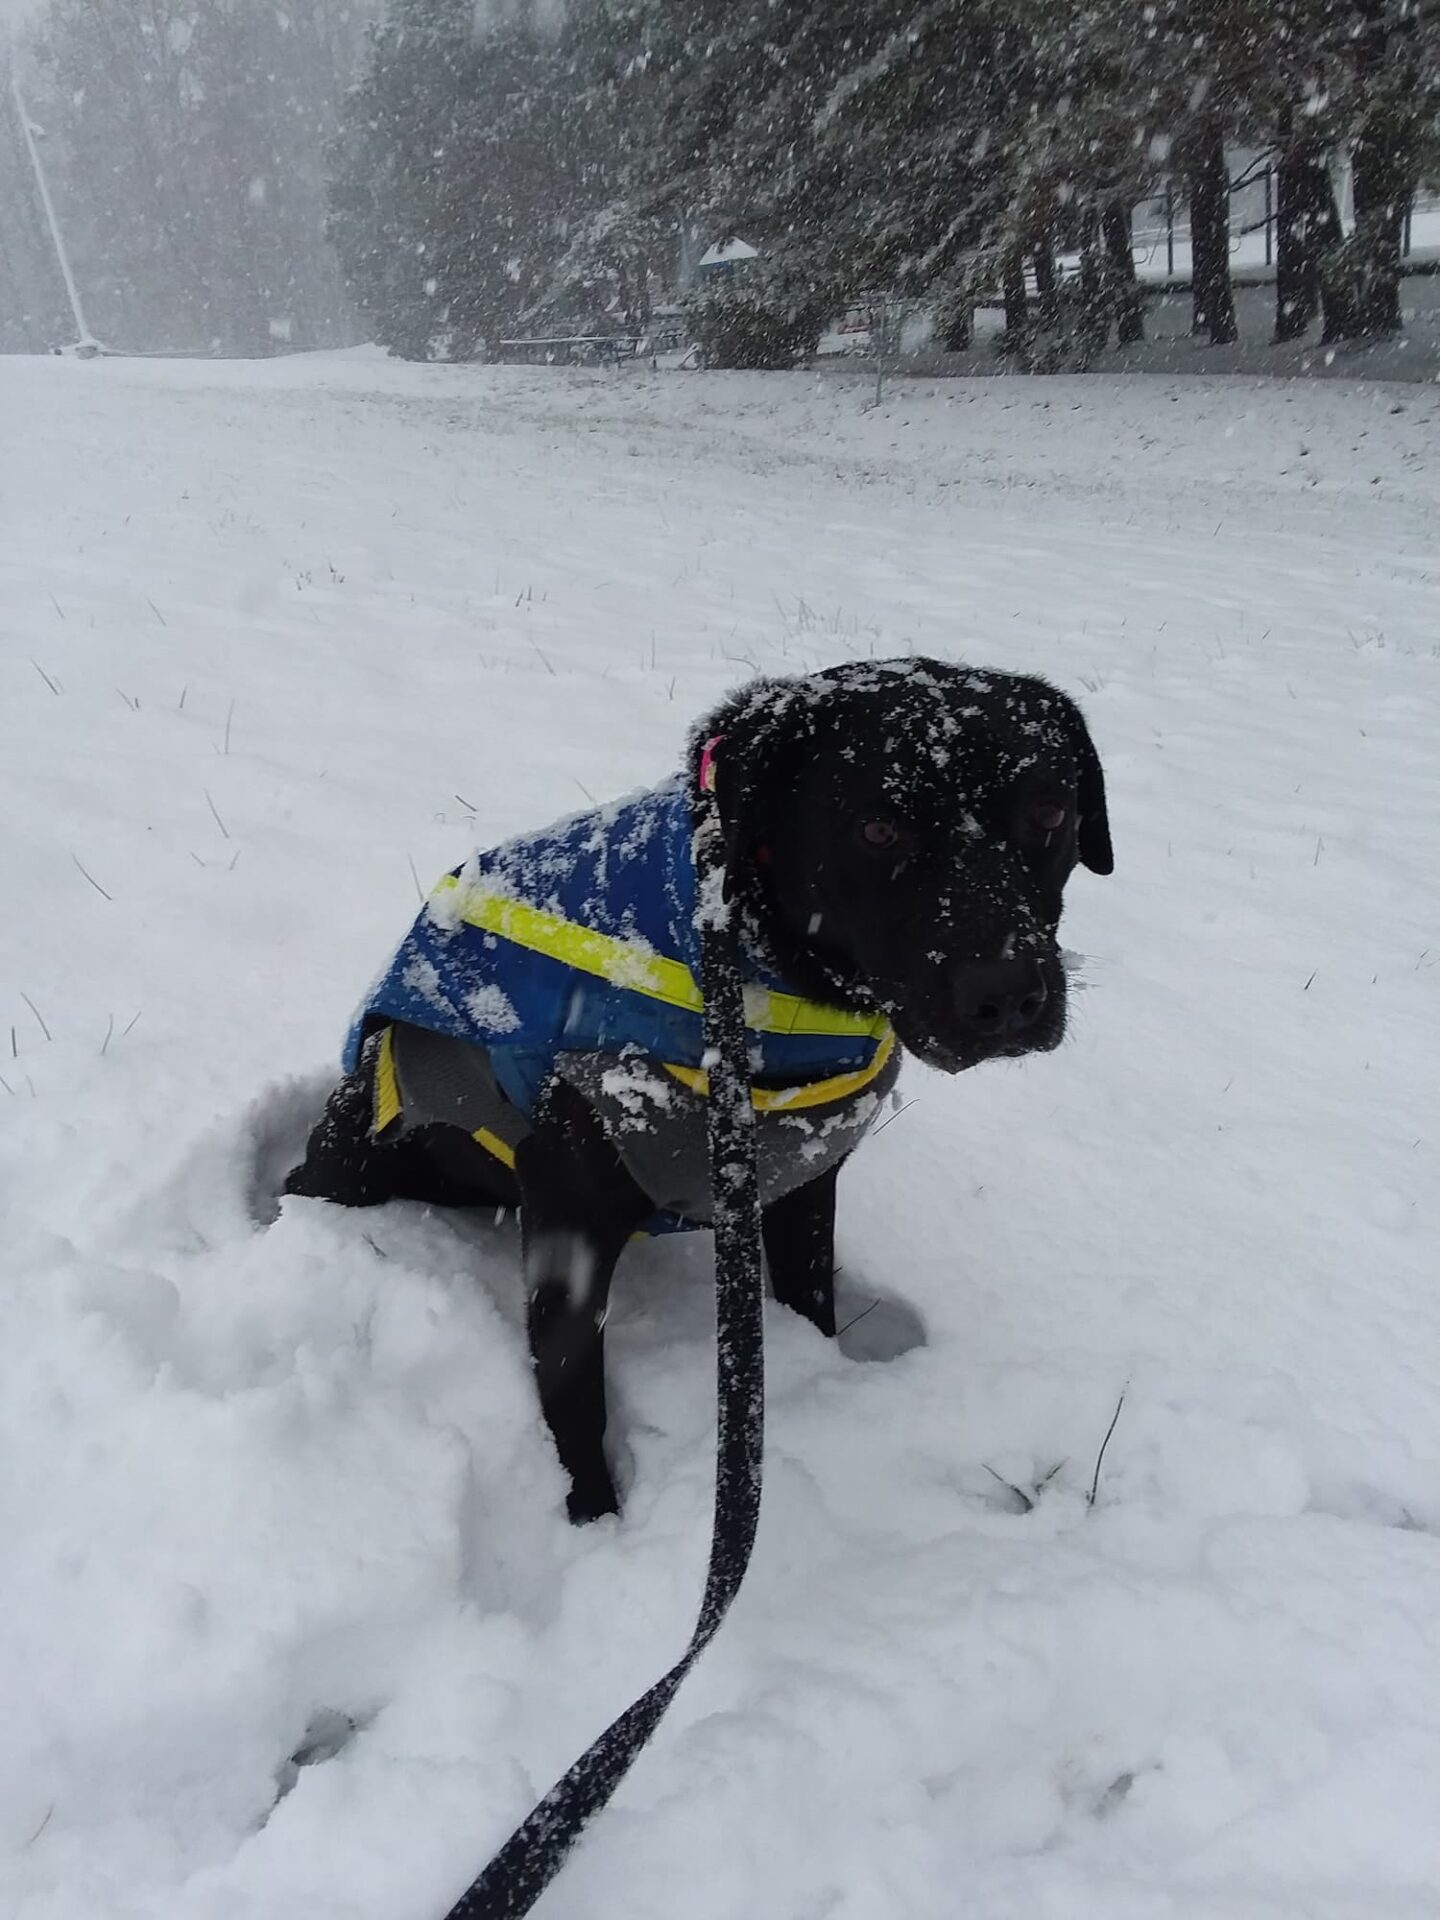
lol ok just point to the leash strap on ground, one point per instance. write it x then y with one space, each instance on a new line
535 1852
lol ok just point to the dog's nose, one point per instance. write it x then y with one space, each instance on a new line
1003 998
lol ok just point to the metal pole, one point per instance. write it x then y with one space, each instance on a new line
1169 231
85 337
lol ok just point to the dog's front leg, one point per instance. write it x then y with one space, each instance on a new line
799 1231
342 1161
578 1207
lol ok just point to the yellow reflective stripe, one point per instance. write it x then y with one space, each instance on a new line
619 961
767 1012
818 1093
625 965
492 1143
387 1091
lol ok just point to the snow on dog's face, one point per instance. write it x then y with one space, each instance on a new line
902 832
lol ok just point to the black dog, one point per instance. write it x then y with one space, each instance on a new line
898 836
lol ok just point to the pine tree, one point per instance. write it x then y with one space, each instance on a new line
397 210
479 182
938 149
858 149
730 97
1391 94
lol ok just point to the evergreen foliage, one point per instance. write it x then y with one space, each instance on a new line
546 165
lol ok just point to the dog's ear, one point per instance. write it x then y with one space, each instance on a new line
1096 852
1061 713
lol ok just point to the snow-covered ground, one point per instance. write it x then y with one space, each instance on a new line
273 636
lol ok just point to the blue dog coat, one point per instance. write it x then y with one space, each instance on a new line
574 950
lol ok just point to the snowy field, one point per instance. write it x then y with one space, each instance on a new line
278 638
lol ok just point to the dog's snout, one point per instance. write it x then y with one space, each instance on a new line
1001 999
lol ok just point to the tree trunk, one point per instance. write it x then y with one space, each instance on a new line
1385 169
1117 226
1384 183
1210 238
956 331
1201 239
1307 226
1339 314
1096 306
1047 282
632 285
1017 312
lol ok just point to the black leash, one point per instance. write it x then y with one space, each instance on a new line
535 1852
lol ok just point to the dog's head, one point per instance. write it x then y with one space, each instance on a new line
899 834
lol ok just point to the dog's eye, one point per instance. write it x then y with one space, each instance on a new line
880 833
1047 817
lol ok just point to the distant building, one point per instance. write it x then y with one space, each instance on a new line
725 259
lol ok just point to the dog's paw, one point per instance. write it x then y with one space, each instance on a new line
591 1497
277 1125
871 1326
